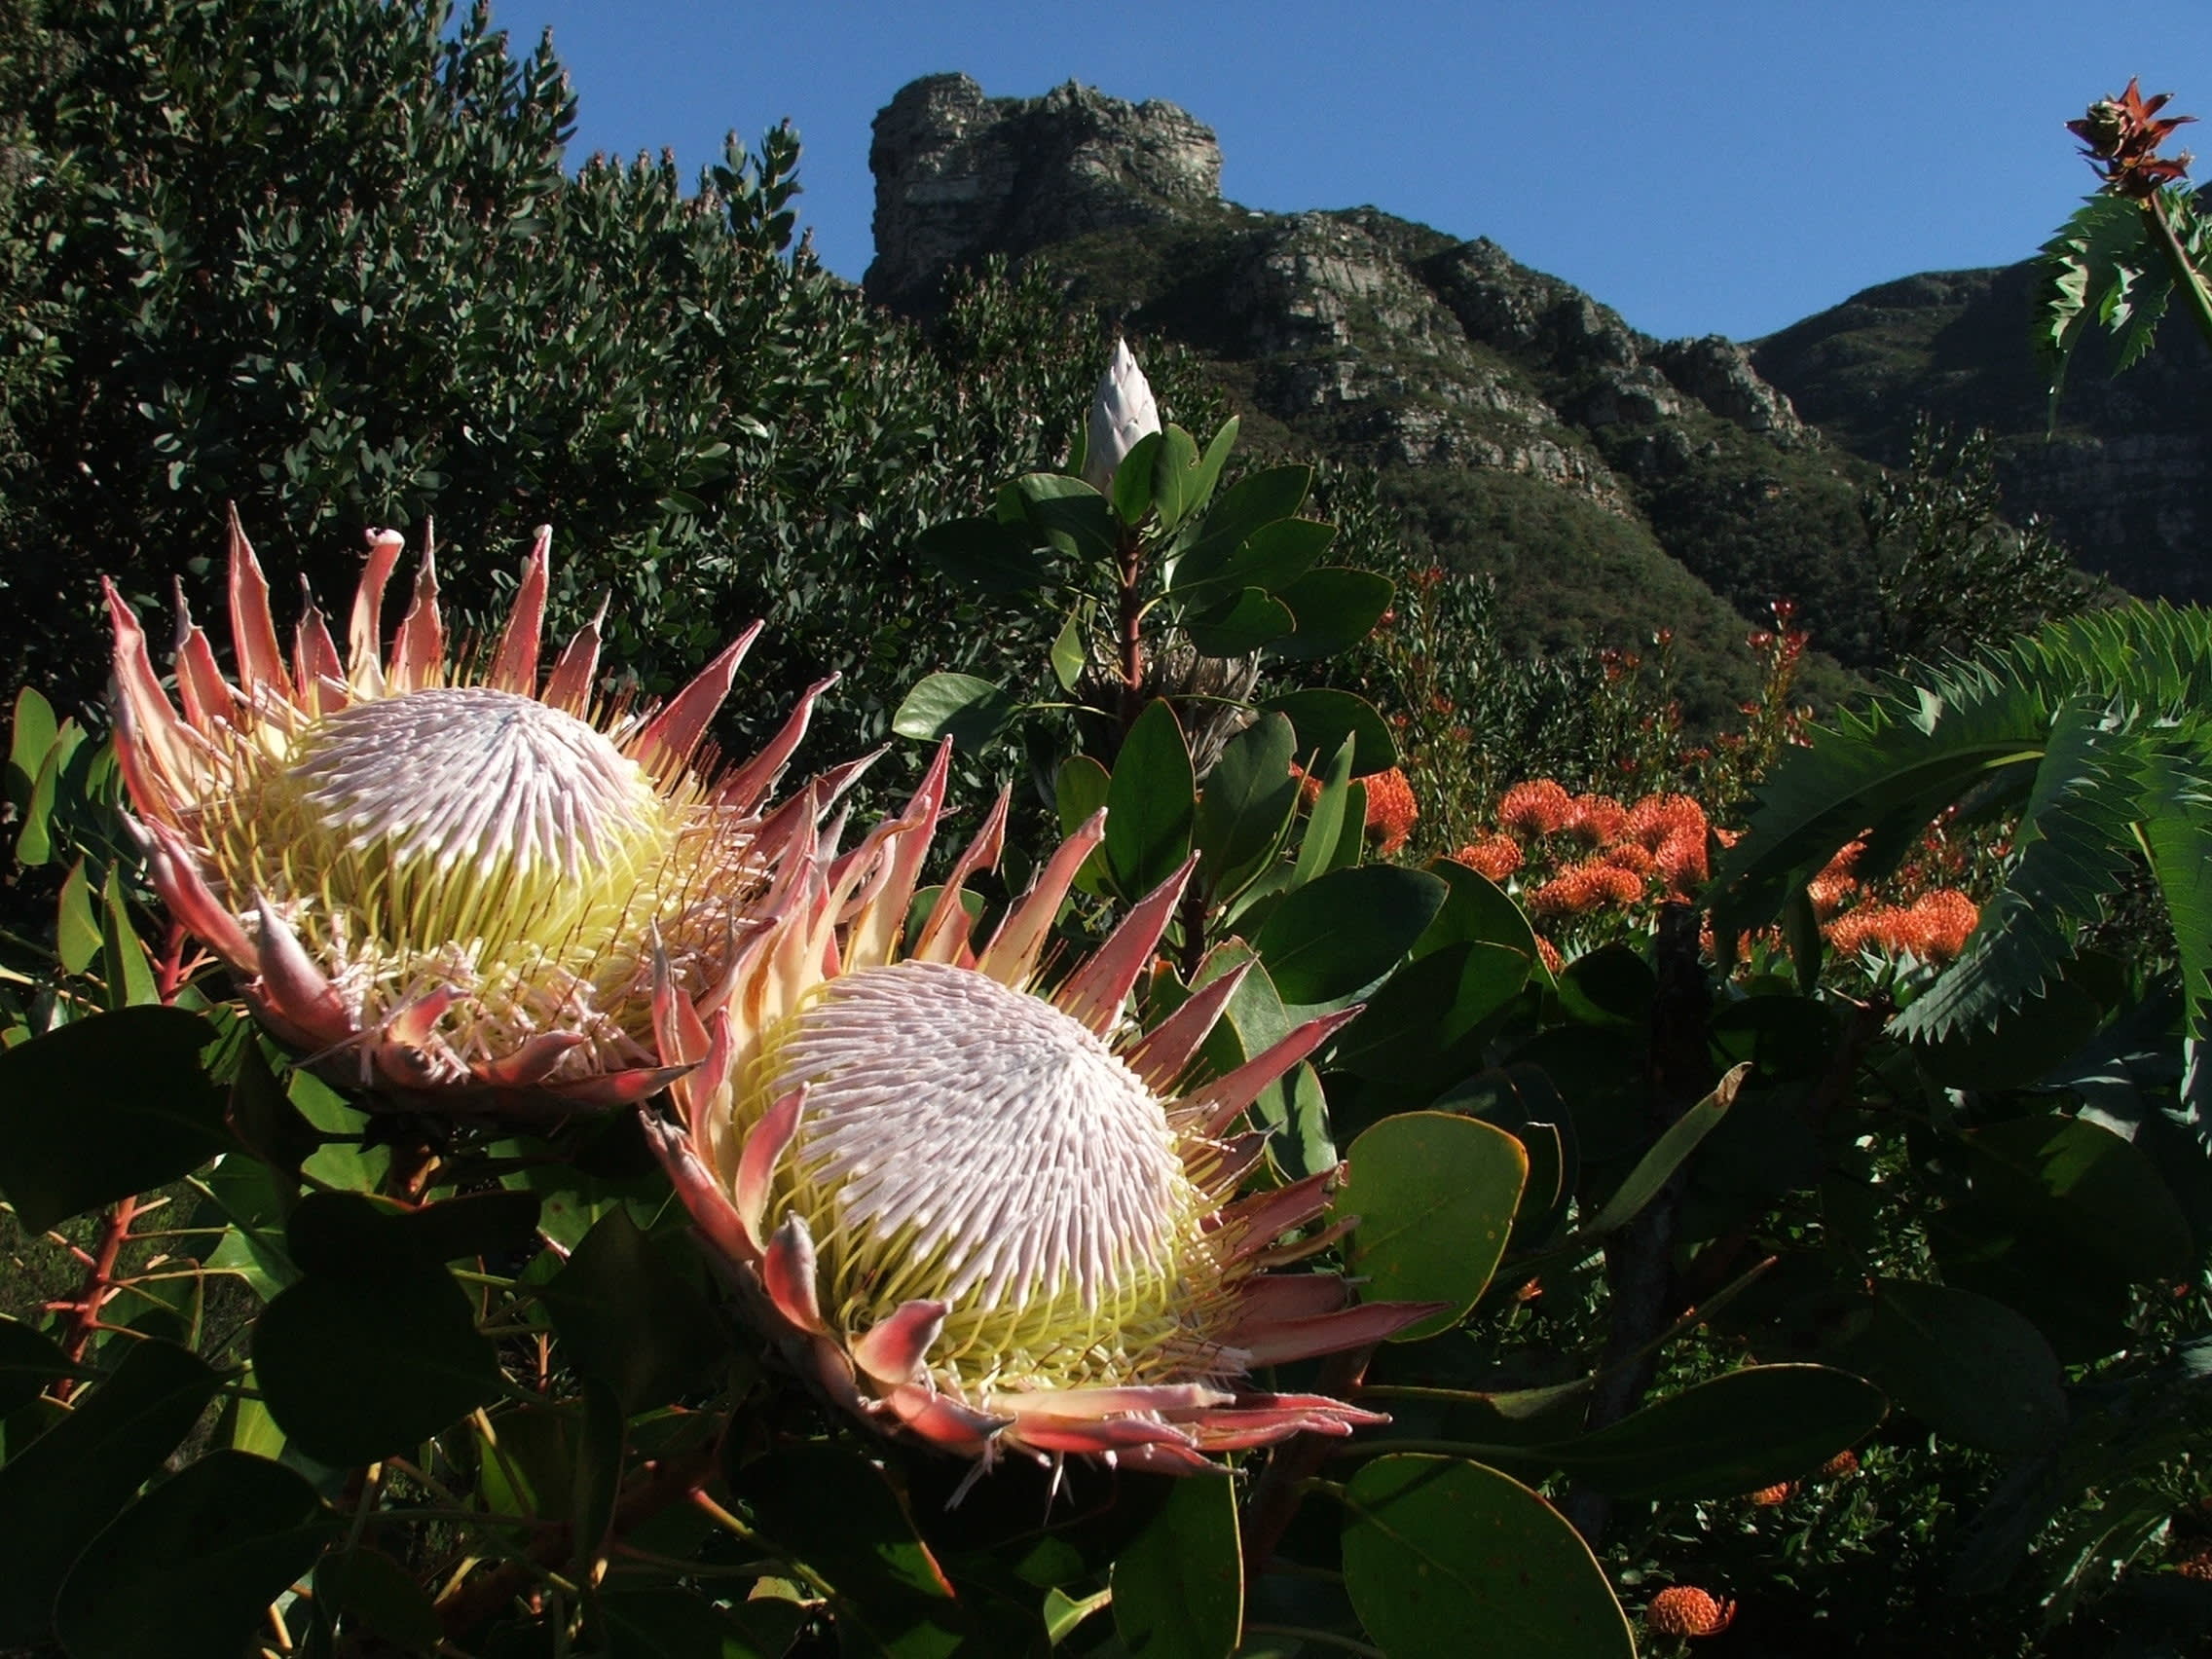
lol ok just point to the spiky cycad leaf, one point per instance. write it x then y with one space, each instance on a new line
2108 267
2174 808
2095 728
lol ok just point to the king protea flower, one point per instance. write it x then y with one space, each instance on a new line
447 887
993 1215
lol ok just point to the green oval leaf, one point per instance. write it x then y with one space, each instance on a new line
1324 718
1336 607
1246 805
1132 486
1435 1194
1734 1434
1968 1366
1150 804
1179 1589
28 1362
1241 623
356 1365
959 706
374 1589
834 1512
1476 909
1258 499
104 1108
67 1484
1336 935
2069 1178
1177 480
189 1570
630 1318
986 554
1441 1555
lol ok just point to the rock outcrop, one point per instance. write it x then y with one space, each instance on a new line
958 175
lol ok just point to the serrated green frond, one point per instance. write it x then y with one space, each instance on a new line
2174 808
2080 724
2074 842
2103 267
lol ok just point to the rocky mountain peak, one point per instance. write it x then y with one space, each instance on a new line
959 174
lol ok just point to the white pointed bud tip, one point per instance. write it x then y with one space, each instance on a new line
1122 413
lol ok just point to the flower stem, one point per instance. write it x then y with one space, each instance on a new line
99 1284
2187 277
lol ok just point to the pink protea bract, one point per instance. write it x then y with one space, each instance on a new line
445 887
986 1213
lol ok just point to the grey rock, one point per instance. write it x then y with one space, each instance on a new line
958 175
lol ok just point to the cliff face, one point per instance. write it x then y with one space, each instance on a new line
958 175
2125 479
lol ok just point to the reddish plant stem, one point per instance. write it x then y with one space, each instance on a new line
1129 638
1193 916
2187 277
100 1285
1282 1486
170 970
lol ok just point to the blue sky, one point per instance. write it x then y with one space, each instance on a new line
1701 166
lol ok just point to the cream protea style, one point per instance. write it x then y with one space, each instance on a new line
446 887
996 1216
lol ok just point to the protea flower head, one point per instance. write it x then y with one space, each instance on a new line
1121 411
987 1214
443 885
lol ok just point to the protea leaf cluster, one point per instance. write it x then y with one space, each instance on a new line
447 886
982 1211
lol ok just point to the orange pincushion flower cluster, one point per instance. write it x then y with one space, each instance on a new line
1934 927
1541 807
1661 839
1391 810
1493 856
1584 886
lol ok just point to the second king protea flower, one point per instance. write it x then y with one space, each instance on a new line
993 1217
445 887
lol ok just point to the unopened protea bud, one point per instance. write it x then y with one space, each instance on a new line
1122 413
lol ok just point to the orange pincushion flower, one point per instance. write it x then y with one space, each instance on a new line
1868 926
1627 855
1657 820
1681 863
1840 1465
1944 919
1390 809
1390 806
1539 807
1549 952
1493 856
1832 889
1933 927
1594 819
1772 1496
1584 886
1683 1609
